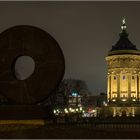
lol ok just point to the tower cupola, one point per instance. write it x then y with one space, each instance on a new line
123 45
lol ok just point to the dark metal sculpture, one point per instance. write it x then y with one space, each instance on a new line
25 40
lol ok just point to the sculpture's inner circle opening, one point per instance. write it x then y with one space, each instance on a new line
24 67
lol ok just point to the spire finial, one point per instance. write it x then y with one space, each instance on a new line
123 27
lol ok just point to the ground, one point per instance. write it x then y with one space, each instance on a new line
60 131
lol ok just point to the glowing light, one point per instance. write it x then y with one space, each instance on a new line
81 108
54 111
134 100
90 109
70 108
123 100
66 111
83 111
77 109
87 115
105 104
58 110
74 94
114 100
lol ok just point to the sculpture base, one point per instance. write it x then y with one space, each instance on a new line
23 112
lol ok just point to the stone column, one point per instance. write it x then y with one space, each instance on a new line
139 87
114 112
110 91
108 87
118 87
133 112
136 87
129 87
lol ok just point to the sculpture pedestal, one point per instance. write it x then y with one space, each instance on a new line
23 112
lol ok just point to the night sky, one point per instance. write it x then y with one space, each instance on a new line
85 31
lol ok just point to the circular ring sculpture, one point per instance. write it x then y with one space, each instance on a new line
31 65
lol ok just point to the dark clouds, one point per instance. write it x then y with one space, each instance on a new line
84 30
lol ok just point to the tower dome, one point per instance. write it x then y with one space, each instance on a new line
124 45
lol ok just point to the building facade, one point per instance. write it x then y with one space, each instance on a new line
123 78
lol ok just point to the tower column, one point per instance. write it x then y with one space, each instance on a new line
111 87
136 86
138 82
129 87
139 87
118 87
114 112
108 87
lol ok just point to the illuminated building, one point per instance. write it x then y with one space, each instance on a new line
123 78
74 99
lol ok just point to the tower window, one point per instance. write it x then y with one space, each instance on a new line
123 77
114 96
124 96
133 77
114 77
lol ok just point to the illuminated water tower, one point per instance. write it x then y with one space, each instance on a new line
123 79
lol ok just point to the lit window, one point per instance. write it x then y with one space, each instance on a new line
124 96
114 96
134 95
123 77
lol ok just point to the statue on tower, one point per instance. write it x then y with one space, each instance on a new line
123 27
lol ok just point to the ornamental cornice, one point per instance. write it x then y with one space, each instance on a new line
118 71
123 61
122 57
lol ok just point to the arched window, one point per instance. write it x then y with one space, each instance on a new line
123 77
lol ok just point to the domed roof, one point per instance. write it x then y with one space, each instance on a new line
124 45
